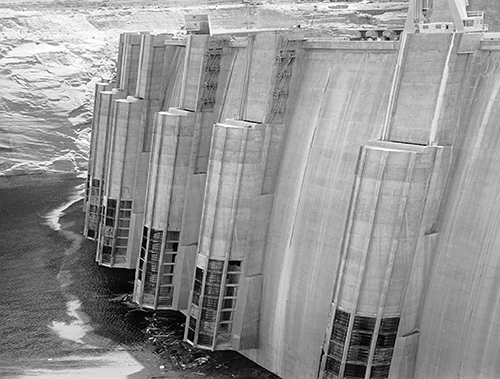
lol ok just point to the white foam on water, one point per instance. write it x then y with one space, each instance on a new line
77 328
116 363
112 365
53 217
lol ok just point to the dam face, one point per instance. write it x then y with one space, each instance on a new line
327 208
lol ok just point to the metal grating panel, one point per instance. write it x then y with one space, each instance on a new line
284 60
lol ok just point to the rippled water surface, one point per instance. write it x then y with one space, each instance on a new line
50 289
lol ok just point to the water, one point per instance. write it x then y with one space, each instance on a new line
57 313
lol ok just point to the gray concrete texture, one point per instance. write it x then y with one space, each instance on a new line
320 213
337 105
458 333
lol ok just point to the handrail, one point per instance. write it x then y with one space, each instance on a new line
475 14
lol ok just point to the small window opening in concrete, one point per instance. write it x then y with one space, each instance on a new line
106 254
126 204
121 241
354 370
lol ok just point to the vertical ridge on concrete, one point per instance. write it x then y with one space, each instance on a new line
158 276
103 109
152 61
251 78
119 181
246 76
368 240
169 248
232 185
390 265
171 76
128 62
140 71
462 346
419 87
294 291
488 235
379 246
441 93
396 82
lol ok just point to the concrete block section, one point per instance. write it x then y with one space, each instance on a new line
201 152
124 145
192 209
225 306
437 184
184 276
403 361
125 184
261 53
128 62
163 270
232 77
388 202
150 70
423 92
247 317
172 75
459 324
169 164
256 240
232 177
101 131
194 65
417 285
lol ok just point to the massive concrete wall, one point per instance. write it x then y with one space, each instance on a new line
338 100
341 220
429 84
250 73
458 330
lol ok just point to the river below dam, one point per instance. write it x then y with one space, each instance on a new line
62 315
59 313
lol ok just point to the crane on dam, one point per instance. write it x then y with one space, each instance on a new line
443 16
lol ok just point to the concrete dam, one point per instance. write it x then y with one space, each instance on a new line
328 208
